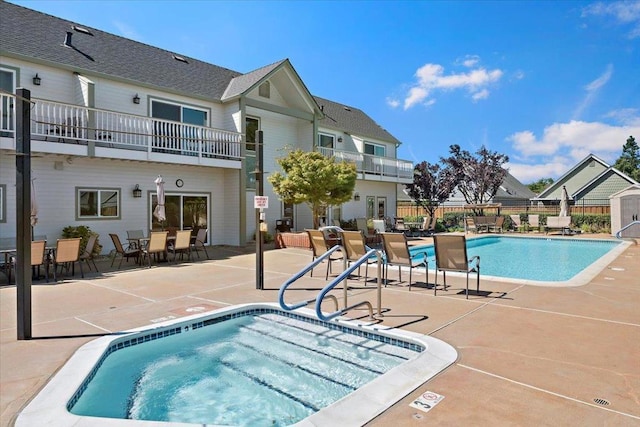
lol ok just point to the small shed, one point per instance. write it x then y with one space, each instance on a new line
625 210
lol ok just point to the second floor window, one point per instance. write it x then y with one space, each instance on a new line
375 149
325 140
178 113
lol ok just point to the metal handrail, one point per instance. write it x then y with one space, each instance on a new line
297 276
345 274
619 233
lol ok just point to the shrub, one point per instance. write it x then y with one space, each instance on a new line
83 232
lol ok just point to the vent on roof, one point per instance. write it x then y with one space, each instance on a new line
347 108
180 58
82 30
67 39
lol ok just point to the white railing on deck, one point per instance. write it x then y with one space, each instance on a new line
376 165
66 123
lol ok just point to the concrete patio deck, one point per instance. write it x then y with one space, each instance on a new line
527 355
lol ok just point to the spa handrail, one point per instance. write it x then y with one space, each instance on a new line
297 276
619 233
345 274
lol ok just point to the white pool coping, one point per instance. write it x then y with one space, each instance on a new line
49 407
582 278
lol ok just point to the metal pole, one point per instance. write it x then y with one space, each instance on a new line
259 213
23 212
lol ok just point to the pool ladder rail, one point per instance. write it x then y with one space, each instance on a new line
619 233
332 284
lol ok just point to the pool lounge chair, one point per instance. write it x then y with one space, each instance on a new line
451 255
396 251
562 223
516 223
496 227
534 222
354 245
319 246
470 224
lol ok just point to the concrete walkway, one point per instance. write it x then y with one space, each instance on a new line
528 355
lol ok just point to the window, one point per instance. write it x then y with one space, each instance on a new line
371 203
98 203
7 84
375 149
264 90
325 140
3 203
178 113
183 211
252 125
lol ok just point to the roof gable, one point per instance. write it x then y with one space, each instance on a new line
576 178
604 185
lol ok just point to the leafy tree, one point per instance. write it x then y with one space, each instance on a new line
312 178
540 185
629 161
431 186
478 176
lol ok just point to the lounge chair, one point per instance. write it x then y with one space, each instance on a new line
562 223
181 245
470 224
66 255
354 245
516 222
534 222
127 252
199 241
157 245
319 246
396 251
451 255
372 238
87 255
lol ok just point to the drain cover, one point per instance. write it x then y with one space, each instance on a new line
602 402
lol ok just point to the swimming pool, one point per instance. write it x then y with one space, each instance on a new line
382 366
538 260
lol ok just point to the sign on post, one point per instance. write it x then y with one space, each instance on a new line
261 202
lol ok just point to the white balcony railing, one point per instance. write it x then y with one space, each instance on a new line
66 123
373 165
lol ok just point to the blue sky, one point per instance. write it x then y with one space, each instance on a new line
544 82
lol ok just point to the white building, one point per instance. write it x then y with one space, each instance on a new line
110 114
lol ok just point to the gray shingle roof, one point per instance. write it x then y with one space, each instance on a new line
351 120
32 34
242 83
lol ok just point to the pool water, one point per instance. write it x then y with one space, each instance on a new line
531 258
263 369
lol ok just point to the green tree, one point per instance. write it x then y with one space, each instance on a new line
312 178
540 185
629 161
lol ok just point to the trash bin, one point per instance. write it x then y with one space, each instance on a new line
283 225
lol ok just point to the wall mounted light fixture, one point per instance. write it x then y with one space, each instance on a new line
339 139
136 99
137 192
356 197
37 80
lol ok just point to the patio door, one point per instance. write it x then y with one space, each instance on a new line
184 211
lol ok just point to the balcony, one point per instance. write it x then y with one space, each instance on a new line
76 130
374 168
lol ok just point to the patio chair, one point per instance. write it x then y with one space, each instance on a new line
87 255
400 226
181 245
354 245
38 258
320 246
451 255
372 238
127 252
67 253
496 227
157 245
379 226
199 241
133 237
396 251
534 222
470 224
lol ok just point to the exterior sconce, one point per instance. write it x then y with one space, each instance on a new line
356 197
37 80
339 139
137 192
136 99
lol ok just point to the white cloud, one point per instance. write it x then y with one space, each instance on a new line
393 103
624 12
469 61
527 173
592 91
626 116
431 78
575 140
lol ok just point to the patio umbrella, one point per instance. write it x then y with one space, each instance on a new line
564 202
159 211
